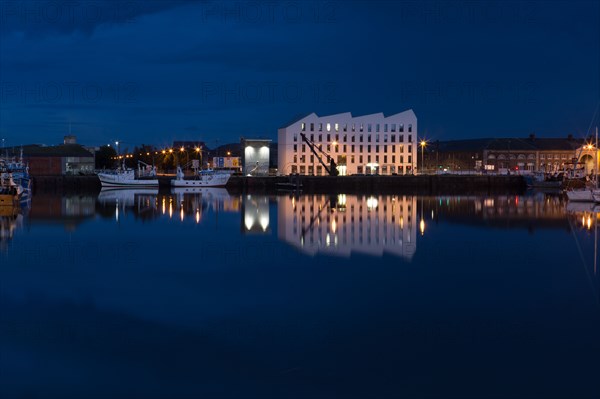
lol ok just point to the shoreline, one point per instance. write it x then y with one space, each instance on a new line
408 184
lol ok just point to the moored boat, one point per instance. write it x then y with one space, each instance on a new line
204 178
123 177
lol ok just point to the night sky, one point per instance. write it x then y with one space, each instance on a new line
158 71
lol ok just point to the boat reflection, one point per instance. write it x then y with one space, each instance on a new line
344 224
11 220
181 203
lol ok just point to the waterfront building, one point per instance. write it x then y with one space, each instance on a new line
255 157
64 159
525 155
346 224
369 144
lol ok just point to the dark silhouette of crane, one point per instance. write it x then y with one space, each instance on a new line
332 167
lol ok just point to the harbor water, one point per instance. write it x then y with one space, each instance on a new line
206 294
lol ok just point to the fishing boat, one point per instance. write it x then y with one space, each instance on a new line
18 171
10 191
124 177
202 178
591 191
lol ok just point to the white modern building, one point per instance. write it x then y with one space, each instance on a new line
369 144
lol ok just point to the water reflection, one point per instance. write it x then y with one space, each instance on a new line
343 224
326 224
255 214
11 219
144 278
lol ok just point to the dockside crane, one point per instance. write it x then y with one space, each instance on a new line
332 167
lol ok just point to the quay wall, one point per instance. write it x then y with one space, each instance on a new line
424 184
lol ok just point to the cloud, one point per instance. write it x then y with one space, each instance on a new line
36 18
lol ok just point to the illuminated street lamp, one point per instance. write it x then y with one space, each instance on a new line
423 144
187 155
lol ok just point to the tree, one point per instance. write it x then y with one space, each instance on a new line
105 157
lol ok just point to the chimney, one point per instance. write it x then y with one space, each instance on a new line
70 140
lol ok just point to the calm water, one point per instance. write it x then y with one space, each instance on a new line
140 294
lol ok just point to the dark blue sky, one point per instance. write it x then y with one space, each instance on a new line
157 71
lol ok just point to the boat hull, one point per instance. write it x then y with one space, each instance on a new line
217 180
116 181
9 200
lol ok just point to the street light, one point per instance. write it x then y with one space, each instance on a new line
199 151
423 144
187 155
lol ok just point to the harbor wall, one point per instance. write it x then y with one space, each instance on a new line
424 184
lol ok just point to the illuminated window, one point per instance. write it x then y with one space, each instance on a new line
303 126
329 127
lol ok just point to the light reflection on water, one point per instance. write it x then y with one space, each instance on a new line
318 295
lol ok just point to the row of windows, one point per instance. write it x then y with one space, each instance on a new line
361 159
360 138
344 148
530 156
400 169
361 127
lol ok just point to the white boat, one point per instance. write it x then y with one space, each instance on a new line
204 178
123 177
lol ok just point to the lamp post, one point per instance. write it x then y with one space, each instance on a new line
187 157
199 151
423 144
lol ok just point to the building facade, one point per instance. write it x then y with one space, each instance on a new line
255 157
501 155
369 144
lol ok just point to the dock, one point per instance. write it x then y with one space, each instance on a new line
407 184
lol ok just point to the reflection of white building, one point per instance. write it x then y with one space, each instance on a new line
342 224
363 144
255 214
